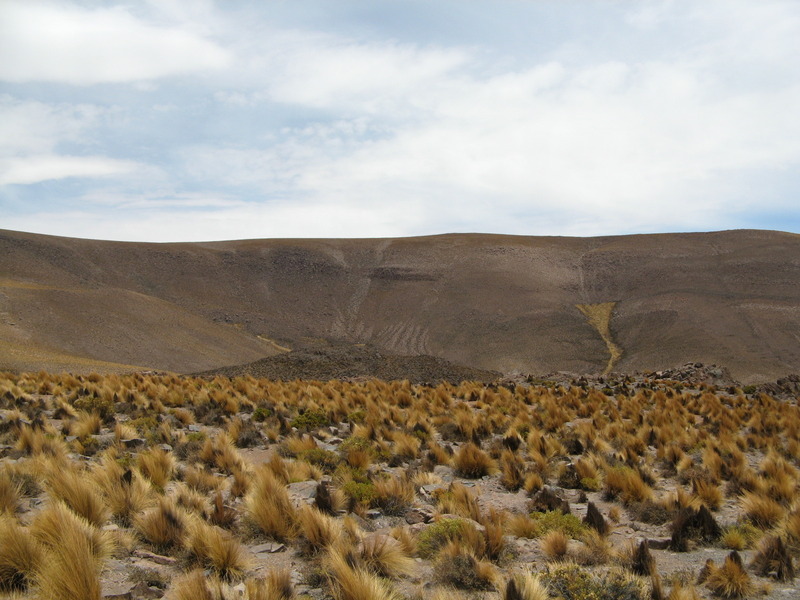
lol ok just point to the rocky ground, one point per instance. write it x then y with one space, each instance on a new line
336 444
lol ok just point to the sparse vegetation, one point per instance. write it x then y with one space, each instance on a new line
455 472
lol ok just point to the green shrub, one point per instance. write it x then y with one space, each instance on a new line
325 460
357 416
356 443
359 491
435 536
740 536
311 419
144 425
464 571
571 582
91 404
261 414
545 522
590 484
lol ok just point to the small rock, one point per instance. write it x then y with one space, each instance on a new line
362 523
118 590
303 491
443 471
193 428
419 515
374 513
134 442
268 548
661 544
146 592
104 439
156 558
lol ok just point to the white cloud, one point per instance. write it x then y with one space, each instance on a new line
43 41
31 133
37 168
32 126
244 222
339 135
330 72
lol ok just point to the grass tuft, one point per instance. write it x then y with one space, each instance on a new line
473 463
730 580
20 556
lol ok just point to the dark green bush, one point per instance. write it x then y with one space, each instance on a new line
435 536
309 420
325 460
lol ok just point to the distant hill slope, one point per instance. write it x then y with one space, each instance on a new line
326 361
505 303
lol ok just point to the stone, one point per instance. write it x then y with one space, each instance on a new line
303 491
362 522
419 515
268 548
118 590
134 442
146 592
156 558
443 471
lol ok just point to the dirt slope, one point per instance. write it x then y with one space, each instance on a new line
338 360
505 303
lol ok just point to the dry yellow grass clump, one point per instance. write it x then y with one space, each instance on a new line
219 477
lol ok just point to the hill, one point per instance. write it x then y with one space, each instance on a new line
327 361
503 303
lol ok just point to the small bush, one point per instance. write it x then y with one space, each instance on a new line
458 567
325 460
310 420
473 463
217 549
20 556
393 496
627 484
436 536
554 520
385 556
730 580
269 507
740 536
527 586
554 544
164 526
774 560
363 492
572 582
348 582
761 511
75 490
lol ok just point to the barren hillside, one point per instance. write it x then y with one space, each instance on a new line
530 304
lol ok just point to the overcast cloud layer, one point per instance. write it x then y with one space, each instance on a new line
177 121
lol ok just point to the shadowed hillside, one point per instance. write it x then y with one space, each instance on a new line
503 303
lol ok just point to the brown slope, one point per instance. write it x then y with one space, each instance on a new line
495 302
324 361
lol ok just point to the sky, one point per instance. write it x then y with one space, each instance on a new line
167 120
